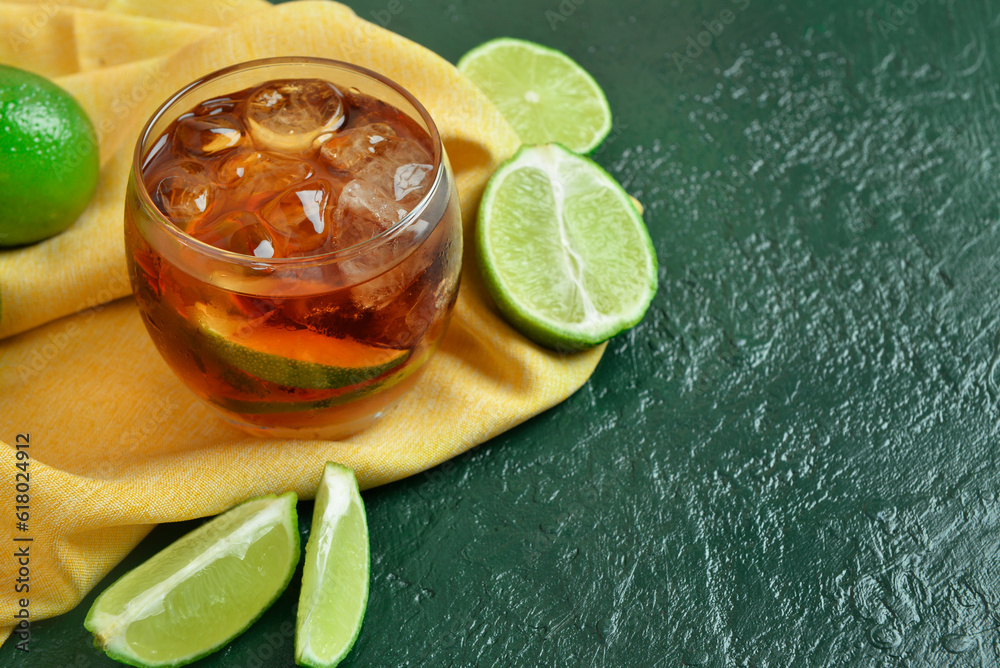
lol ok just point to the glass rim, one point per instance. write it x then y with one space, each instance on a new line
164 223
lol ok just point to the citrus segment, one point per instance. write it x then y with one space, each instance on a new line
335 573
201 591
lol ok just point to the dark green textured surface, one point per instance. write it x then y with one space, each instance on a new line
791 461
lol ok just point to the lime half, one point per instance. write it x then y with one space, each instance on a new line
564 252
544 94
335 573
203 590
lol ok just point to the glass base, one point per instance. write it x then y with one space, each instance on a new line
334 432
349 418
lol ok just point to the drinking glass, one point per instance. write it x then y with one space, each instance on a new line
278 339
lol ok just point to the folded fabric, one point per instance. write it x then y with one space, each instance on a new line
109 441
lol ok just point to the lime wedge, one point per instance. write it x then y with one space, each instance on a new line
203 590
335 573
302 359
565 254
544 94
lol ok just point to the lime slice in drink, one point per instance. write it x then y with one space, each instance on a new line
203 590
565 254
335 573
543 93
302 358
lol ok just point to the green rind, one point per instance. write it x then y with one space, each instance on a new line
547 333
315 531
60 167
290 500
292 372
475 53
246 407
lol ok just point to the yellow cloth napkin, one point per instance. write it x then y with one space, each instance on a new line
116 443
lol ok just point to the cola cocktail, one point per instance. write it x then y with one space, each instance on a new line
294 243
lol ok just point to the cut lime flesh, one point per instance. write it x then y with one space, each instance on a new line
543 93
335 572
302 359
566 256
203 590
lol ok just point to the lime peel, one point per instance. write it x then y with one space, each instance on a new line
49 164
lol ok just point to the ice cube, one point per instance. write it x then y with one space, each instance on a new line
389 286
381 289
363 212
207 135
402 301
300 216
376 154
294 116
241 232
183 192
329 313
351 150
410 179
251 176
218 105
264 249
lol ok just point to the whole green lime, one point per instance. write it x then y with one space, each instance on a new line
48 158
